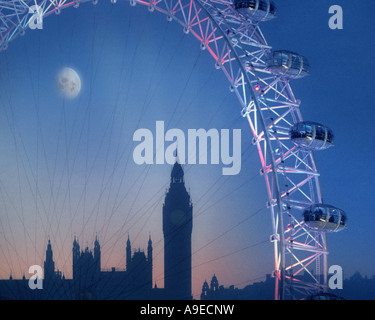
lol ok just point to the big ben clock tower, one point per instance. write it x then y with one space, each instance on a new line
177 228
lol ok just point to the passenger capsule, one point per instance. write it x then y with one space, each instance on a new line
288 64
324 296
324 217
257 10
311 136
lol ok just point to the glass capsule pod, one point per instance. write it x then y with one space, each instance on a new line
324 296
323 217
257 10
311 135
288 64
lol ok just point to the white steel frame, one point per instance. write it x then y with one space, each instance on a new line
270 107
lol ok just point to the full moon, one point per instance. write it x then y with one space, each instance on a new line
68 83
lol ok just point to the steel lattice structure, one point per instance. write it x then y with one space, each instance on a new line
266 100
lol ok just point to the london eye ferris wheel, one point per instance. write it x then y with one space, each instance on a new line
261 78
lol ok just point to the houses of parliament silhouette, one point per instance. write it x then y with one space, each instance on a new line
135 281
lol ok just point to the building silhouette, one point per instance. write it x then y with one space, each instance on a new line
92 282
177 229
263 290
134 281
49 265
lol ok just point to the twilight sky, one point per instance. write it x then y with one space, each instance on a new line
66 166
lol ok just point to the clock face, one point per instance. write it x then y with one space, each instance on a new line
178 217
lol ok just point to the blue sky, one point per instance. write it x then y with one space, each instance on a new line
136 68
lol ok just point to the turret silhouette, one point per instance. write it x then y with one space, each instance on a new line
49 264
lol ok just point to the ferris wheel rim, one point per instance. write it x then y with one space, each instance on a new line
229 38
